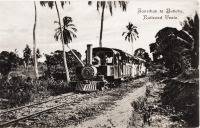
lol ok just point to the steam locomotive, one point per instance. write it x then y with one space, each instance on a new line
112 67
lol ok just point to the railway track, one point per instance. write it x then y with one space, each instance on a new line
29 111
30 105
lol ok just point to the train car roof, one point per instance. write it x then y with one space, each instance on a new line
114 50
122 52
127 54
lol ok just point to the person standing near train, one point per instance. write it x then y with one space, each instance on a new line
96 60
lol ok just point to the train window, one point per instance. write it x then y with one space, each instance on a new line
109 60
106 58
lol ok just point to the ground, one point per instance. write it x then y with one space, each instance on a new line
119 115
136 103
123 115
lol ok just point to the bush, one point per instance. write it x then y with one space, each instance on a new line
18 91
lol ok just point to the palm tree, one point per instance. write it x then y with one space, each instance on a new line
191 25
34 45
131 33
51 4
109 4
68 32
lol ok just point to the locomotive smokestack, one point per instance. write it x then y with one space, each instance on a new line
89 54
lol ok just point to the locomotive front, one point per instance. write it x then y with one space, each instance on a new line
87 78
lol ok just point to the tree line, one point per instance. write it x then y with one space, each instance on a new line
171 46
178 50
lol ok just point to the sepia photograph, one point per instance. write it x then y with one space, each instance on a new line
99 64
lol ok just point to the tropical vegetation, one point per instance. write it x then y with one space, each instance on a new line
131 33
178 49
110 5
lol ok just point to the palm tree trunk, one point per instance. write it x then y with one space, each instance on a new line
101 31
63 46
75 55
34 45
132 47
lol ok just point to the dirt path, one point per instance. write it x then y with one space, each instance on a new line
122 107
123 114
120 115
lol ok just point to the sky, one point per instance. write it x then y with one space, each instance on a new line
17 20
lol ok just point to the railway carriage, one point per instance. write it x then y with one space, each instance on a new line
113 66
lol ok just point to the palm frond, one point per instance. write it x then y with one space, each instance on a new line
70 25
123 33
63 3
74 35
123 5
50 4
75 30
56 22
98 5
133 35
110 7
70 31
56 36
132 38
126 37
89 2
43 3
58 29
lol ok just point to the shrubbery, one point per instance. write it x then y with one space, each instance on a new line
19 91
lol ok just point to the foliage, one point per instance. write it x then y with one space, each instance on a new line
173 48
64 30
27 54
19 91
55 63
9 60
141 53
184 96
51 3
110 5
16 91
191 25
131 32
178 50
38 54
68 30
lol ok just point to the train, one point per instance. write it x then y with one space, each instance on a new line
106 67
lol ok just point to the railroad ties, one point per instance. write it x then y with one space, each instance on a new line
29 112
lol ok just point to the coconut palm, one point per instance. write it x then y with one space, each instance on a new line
110 5
34 44
51 4
131 33
68 33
